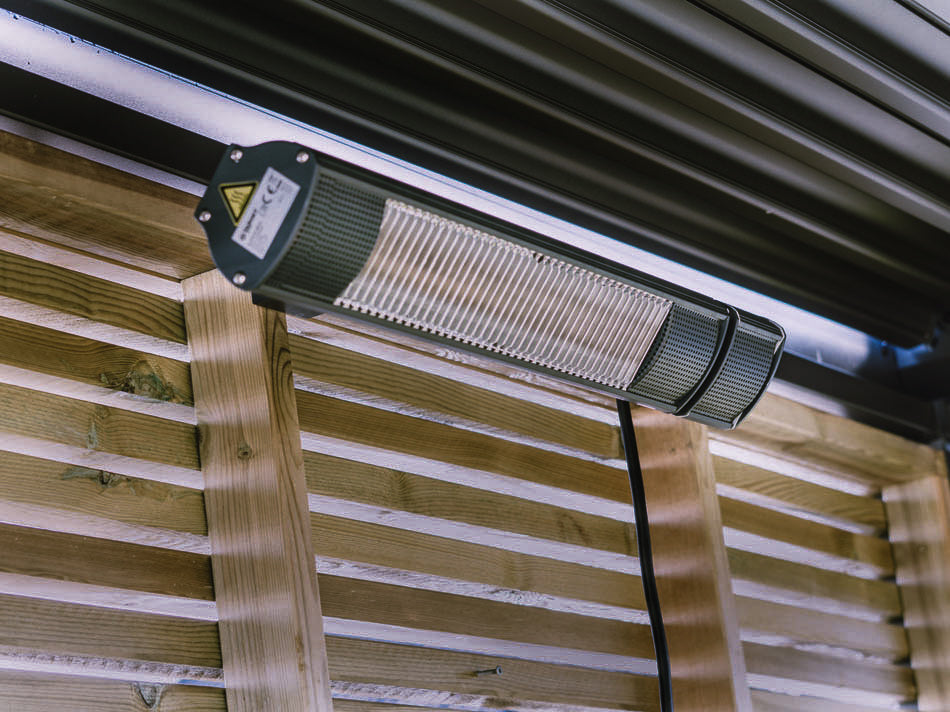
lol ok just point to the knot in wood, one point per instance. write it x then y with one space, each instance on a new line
244 451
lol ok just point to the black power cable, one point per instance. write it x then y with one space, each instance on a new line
645 551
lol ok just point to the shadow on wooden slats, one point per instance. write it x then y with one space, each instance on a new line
405 492
829 443
102 562
791 495
34 625
436 442
448 400
70 498
759 576
57 196
428 357
764 621
414 675
35 692
81 433
772 702
781 535
98 300
47 352
463 615
797 672
423 560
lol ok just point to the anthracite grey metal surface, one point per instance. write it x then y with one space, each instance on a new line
307 231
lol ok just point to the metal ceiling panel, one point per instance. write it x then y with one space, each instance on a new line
798 148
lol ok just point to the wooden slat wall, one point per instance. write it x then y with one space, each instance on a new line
463 514
106 594
813 568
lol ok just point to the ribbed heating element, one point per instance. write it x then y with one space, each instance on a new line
440 276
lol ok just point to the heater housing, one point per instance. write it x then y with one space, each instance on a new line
308 233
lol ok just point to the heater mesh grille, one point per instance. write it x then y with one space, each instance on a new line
679 357
742 377
449 279
335 237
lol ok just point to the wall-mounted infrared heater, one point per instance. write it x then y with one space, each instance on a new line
309 233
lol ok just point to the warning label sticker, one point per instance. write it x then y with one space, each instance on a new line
235 197
264 213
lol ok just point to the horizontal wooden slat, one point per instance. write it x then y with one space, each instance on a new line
101 562
81 500
77 358
90 297
763 701
39 424
444 399
809 542
402 491
353 599
759 486
71 629
512 575
430 357
791 625
38 692
399 670
54 195
785 669
827 591
831 443
357 706
434 441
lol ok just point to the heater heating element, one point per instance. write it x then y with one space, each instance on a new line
308 233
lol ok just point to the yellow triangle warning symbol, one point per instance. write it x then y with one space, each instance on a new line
236 197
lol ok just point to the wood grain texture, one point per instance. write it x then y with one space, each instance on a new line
778 624
256 502
785 670
464 615
447 399
402 491
763 701
691 565
845 448
759 529
39 424
507 574
76 358
787 582
101 562
481 372
69 629
79 499
96 299
450 679
61 197
402 433
794 496
919 514
37 692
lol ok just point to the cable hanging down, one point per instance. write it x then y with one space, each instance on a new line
645 552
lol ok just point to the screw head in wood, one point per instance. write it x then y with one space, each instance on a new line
492 671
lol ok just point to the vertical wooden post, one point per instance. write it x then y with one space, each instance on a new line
256 502
918 514
692 568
